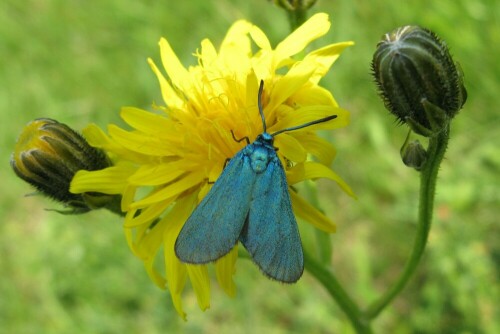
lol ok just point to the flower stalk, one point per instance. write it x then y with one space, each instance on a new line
428 180
323 241
296 10
335 289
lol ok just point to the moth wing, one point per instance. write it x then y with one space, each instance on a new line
271 234
213 228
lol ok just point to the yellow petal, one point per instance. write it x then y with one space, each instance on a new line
313 95
324 58
97 138
156 174
237 37
140 143
111 180
310 214
225 268
148 122
153 274
150 239
208 53
175 295
128 196
177 301
176 271
252 89
176 276
313 170
260 38
287 85
171 190
315 27
322 149
262 65
198 275
146 247
129 236
173 66
290 147
236 60
146 216
169 95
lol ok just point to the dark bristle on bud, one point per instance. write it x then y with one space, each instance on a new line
48 154
414 70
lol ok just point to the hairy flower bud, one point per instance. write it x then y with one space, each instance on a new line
48 154
413 154
417 78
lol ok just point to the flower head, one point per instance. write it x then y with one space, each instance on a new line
168 162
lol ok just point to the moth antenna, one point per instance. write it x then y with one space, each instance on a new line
259 98
321 120
264 126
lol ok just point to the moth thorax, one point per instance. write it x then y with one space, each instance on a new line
259 158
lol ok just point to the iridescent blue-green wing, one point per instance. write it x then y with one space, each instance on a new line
213 228
271 234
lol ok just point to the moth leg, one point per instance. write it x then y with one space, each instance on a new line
241 139
225 165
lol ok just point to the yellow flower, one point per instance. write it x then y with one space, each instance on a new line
168 162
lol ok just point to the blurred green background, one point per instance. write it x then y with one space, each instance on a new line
80 61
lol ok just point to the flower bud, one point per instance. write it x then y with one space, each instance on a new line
417 79
48 154
413 154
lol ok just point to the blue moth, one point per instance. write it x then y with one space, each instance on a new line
249 203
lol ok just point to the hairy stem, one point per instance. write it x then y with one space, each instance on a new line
334 288
428 178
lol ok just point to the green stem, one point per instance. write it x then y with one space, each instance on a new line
296 11
428 177
296 17
323 241
323 247
332 285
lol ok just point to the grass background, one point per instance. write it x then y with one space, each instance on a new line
80 61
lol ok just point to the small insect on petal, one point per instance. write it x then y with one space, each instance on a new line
249 203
